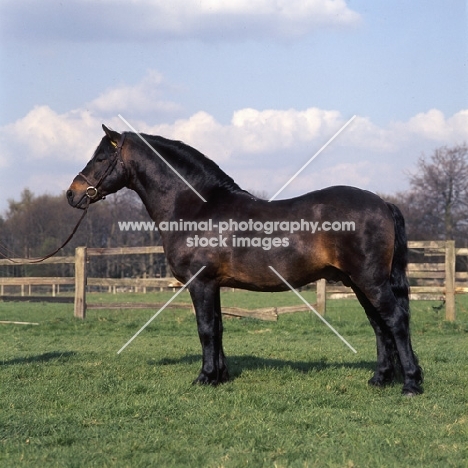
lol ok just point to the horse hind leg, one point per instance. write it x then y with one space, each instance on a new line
393 316
398 322
388 362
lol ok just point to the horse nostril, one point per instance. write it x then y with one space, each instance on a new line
69 193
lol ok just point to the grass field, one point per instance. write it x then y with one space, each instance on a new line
298 398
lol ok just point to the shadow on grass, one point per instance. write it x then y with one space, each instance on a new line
46 357
238 364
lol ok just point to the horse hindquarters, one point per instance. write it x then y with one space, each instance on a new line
207 303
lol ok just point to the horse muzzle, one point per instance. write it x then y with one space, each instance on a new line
80 195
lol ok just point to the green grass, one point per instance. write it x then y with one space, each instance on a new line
298 397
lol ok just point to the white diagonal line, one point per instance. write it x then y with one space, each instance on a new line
312 158
160 310
312 309
159 155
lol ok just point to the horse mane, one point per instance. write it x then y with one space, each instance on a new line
192 164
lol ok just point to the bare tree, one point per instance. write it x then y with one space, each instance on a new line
36 225
438 198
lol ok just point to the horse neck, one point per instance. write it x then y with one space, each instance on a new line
165 195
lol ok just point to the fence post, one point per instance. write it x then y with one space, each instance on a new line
321 296
450 257
80 282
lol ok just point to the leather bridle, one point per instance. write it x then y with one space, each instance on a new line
91 193
92 190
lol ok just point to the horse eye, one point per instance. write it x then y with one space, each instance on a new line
100 158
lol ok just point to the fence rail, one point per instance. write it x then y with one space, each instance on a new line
447 282
443 274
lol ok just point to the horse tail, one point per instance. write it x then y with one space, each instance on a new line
398 278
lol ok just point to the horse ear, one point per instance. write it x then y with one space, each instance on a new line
113 135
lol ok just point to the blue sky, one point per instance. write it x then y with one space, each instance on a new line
257 85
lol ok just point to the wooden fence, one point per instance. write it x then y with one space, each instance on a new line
431 279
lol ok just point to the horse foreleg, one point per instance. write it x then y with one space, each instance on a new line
206 300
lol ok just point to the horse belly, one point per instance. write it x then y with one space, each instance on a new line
257 269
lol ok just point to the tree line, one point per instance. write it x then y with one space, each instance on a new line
34 226
435 208
436 204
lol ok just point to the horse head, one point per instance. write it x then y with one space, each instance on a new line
105 173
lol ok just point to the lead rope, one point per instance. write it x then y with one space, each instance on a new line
91 193
69 238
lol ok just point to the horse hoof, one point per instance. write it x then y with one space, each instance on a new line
378 382
411 391
204 379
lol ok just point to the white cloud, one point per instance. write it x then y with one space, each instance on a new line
364 134
72 136
142 98
251 131
261 149
274 129
433 125
45 134
115 20
201 131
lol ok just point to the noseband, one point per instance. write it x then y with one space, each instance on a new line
92 190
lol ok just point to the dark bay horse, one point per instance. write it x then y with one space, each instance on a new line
338 233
